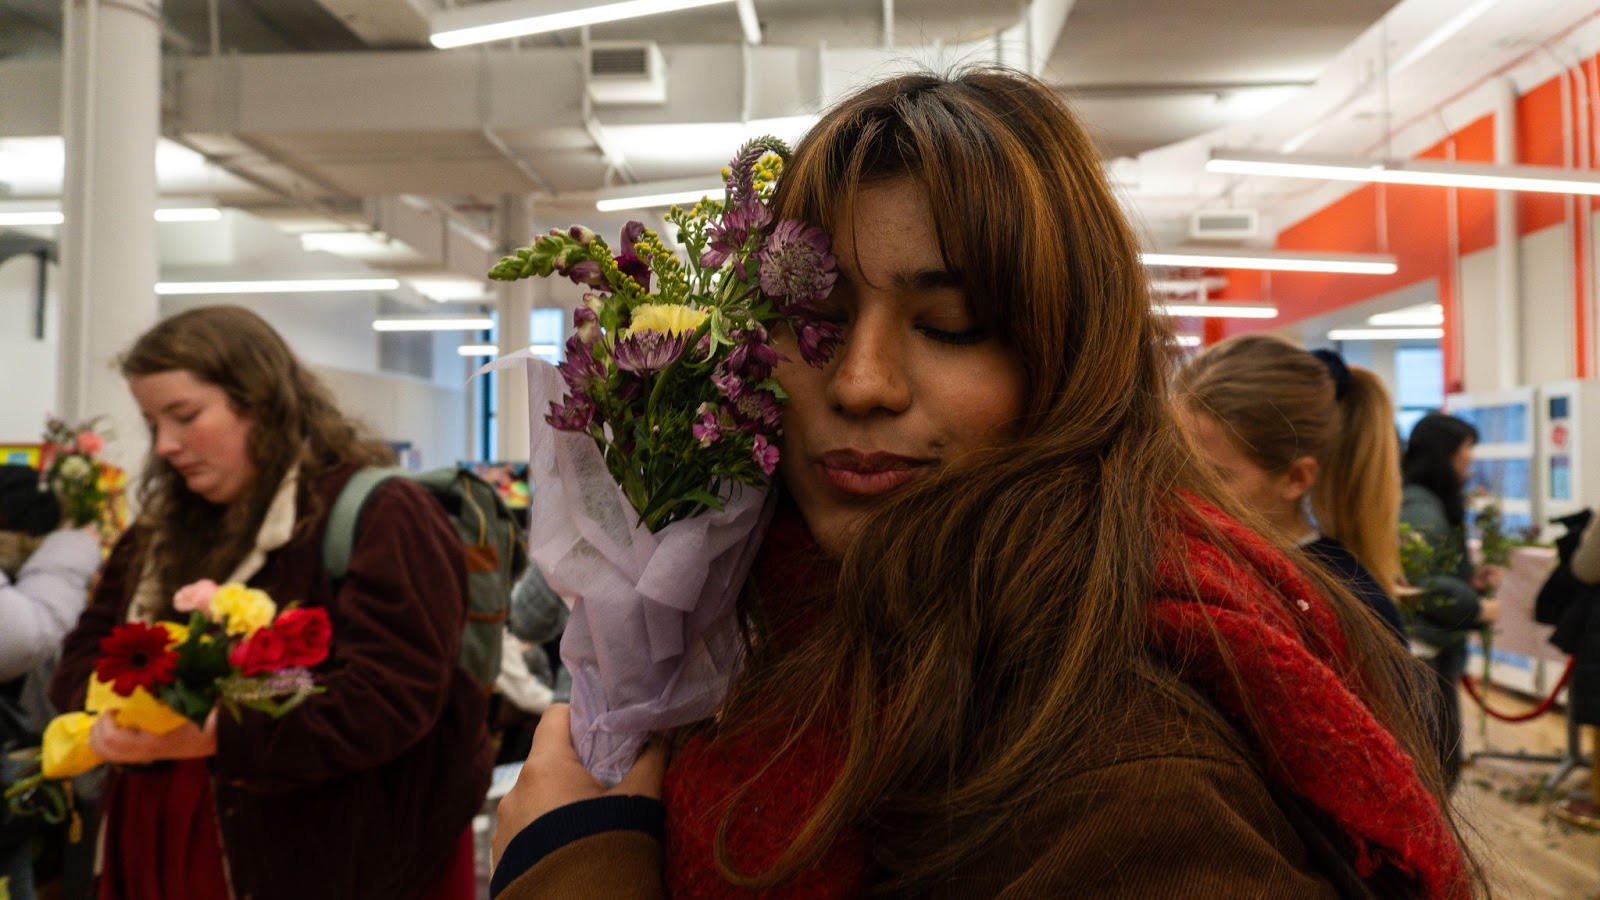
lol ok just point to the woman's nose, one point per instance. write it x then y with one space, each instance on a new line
166 441
869 371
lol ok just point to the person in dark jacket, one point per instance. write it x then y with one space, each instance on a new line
367 789
1457 596
1005 635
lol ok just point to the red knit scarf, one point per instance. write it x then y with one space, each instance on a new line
1329 748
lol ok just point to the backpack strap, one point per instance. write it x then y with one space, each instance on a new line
339 539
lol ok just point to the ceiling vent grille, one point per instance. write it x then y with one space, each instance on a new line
627 74
1224 224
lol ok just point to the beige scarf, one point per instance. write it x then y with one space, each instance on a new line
276 528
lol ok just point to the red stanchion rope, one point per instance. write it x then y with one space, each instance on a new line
1471 684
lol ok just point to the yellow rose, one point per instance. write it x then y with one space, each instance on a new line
667 318
242 610
65 750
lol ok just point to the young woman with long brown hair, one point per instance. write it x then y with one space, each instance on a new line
1297 435
366 789
1004 637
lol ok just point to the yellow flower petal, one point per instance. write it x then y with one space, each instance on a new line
176 634
144 712
242 610
668 318
65 750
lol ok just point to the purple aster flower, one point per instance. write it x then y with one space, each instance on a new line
760 409
648 351
574 413
765 454
753 359
583 373
818 339
796 263
731 385
728 236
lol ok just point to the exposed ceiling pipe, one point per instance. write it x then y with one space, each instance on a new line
888 24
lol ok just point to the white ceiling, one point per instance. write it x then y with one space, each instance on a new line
1159 83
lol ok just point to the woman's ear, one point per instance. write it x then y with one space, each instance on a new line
1297 479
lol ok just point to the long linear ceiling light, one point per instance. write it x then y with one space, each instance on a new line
497 21
656 194
55 217
1435 173
432 323
1385 334
1221 310
1275 260
302 286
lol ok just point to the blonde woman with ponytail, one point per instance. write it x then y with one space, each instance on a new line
1309 443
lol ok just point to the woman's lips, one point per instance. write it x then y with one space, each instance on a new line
858 473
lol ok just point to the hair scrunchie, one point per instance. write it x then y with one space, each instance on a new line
1336 368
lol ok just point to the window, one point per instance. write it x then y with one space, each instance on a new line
1418 384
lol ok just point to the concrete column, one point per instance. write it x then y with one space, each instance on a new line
515 306
1508 247
111 112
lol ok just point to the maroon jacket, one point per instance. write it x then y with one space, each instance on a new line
364 790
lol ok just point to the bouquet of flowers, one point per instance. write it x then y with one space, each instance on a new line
238 650
653 443
70 465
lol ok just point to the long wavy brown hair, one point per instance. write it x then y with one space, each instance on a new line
1281 404
987 621
293 419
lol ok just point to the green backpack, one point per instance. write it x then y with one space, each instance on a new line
496 554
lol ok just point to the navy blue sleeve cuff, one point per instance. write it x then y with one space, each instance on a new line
574 822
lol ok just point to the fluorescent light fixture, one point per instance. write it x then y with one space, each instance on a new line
55 217
189 214
305 286
497 21
1187 285
451 289
1187 340
1433 173
1385 334
494 349
432 323
1275 260
1422 315
1221 310
681 191
40 217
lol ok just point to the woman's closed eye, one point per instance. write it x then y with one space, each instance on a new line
957 338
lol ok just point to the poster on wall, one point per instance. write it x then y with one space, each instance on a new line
21 454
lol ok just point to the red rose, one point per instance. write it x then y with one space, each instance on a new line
260 653
306 634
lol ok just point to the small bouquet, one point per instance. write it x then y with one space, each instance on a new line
1495 546
238 651
653 442
70 465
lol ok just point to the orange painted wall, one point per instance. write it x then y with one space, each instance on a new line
1414 226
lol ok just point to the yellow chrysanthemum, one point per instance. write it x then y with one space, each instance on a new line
176 633
667 318
242 610
65 750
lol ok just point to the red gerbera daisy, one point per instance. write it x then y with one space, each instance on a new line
135 656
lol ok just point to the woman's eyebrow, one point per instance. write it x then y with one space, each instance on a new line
927 280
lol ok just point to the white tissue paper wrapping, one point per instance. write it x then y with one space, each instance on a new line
653 640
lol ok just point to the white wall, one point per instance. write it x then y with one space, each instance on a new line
1545 309
398 408
27 364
